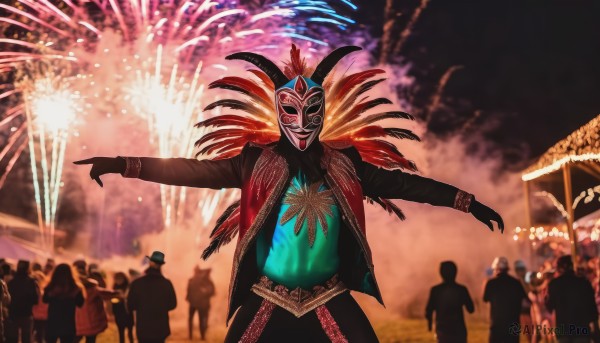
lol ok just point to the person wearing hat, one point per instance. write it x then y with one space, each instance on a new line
505 295
151 297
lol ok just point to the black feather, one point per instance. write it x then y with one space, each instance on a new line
230 103
386 115
401 133
368 86
271 69
229 87
374 103
387 205
330 61
228 211
226 237
215 245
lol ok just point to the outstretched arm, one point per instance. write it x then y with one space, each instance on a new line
395 184
171 171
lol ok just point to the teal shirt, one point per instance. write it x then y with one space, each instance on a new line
288 258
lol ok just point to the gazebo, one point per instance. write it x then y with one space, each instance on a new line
568 174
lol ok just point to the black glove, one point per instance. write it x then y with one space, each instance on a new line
104 165
486 215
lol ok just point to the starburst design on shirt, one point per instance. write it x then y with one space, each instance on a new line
309 205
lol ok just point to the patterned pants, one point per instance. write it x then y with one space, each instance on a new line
339 320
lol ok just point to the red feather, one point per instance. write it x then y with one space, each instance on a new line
230 144
220 134
264 78
296 66
233 120
343 86
228 154
210 148
370 131
363 107
383 153
258 137
246 86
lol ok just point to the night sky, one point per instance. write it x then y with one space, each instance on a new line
530 69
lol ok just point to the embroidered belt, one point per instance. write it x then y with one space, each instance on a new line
298 301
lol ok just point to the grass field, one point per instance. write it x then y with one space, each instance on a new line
391 331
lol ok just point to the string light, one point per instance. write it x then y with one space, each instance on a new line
580 146
542 233
558 164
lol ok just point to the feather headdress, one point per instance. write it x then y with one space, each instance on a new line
351 119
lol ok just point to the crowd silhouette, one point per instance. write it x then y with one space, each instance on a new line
555 304
72 302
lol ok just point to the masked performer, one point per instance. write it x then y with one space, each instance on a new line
305 154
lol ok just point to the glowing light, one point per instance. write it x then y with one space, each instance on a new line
587 196
540 233
171 106
555 202
72 60
581 145
186 29
51 107
558 164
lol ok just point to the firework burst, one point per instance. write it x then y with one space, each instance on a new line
147 57
50 108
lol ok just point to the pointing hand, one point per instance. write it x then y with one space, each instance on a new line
486 215
103 165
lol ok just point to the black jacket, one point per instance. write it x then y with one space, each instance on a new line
572 297
505 295
356 269
24 293
447 300
61 312
152 296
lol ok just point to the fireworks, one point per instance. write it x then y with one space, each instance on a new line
145 57
50 107
172 107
